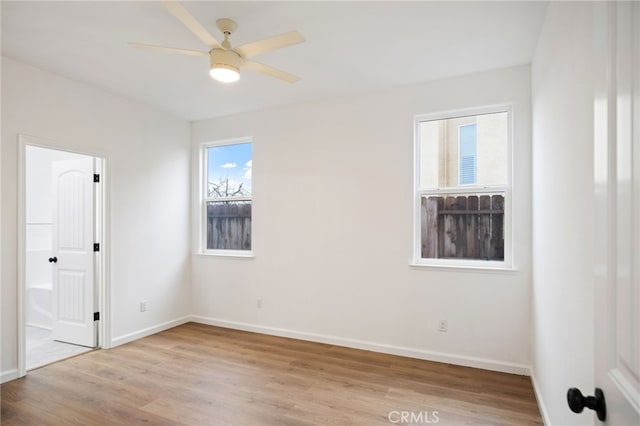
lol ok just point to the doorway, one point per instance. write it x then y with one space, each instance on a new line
61 263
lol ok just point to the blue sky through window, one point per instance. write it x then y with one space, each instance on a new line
229 170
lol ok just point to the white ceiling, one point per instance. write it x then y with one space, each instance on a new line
351 47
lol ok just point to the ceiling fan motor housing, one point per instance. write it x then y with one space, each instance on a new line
225 59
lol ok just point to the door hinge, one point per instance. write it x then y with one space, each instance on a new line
96 246
96 316
96 178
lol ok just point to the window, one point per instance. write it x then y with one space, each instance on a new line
467 142
463 187
226 200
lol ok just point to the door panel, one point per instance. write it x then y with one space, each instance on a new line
617 184
73 230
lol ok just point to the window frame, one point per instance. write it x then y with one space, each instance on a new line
505 189
204 199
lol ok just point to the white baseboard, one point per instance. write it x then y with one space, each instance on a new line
536 390
467 361
117 341
7 376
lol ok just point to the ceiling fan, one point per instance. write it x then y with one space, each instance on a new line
225 60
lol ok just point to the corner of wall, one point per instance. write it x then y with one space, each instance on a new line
538 394
139 334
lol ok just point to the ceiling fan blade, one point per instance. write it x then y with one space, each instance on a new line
169 49
273 72
267 45
190 22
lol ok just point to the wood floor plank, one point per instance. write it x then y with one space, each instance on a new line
197 374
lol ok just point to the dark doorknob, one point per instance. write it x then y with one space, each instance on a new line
577 402
53 260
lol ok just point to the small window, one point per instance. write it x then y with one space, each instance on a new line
467 143
463 188
227 197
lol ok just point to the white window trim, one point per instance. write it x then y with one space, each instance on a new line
457 264
202 179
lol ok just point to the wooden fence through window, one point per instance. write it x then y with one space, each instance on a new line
229 225
463 227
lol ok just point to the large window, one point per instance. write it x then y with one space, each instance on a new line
463 185
227 172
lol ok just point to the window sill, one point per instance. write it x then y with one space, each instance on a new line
464 268
228 254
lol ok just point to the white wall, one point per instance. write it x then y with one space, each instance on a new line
333 231
563 222
148 175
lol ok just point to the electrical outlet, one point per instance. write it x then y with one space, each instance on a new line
442 326
259 303
143 306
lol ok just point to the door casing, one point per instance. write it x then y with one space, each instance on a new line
101 218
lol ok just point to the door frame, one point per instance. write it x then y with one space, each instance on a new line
101 220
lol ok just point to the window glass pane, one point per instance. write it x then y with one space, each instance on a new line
467 154
462 226
463 150
229 170
228 225
462 182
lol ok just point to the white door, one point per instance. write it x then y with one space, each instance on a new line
73 256
617 183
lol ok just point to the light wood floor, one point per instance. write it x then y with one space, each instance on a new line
201 375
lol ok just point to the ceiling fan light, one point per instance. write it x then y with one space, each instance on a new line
224 73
